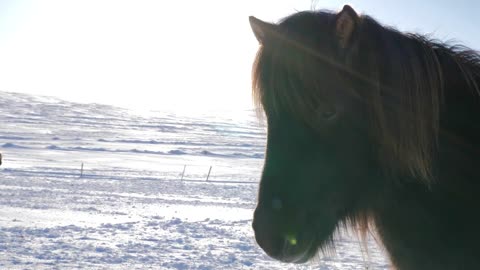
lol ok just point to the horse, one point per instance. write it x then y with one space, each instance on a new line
370 128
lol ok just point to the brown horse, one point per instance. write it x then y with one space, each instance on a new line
372 128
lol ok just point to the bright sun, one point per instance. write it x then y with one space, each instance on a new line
142 54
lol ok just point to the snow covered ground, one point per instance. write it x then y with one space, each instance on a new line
131 209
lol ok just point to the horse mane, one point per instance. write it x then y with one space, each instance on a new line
400 76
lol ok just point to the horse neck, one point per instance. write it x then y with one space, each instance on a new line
417 223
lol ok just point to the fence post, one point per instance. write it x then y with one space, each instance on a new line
208 175
81 171
183 173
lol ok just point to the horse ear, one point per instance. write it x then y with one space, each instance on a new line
261 29
347 21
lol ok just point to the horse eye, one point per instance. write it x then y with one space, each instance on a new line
276 204
329 114
326 112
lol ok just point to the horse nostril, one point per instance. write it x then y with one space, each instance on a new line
277 204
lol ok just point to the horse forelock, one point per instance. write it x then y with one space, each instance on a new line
285 77
398 76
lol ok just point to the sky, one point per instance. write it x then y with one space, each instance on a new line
180 55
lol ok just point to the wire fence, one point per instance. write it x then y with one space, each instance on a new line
178 172
241 170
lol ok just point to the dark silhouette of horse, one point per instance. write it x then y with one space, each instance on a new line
371 128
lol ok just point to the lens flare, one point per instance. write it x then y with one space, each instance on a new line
292 240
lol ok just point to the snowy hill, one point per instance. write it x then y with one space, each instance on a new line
130 208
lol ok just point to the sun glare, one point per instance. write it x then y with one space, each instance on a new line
142 54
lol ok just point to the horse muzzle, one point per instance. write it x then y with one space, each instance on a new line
283 237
